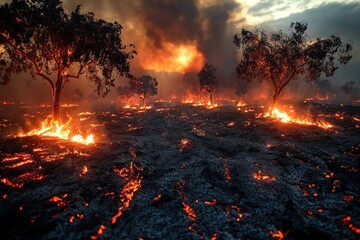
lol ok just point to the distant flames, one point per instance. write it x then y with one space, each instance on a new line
52 128
174 58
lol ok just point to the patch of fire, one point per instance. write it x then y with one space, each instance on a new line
20 181
346 221
285 117
184 143
279 235
133 178
61 201
16 160
52 128
259 175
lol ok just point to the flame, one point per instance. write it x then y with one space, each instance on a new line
174 58
259 175
279 235
285 118
52 128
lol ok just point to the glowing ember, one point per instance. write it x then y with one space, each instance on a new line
234 211
11 184
127 195
184 143
352 227
52 128
278 235
100 231
157 197
190 212
285 118
259 175
84 171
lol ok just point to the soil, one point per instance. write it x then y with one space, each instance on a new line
178 171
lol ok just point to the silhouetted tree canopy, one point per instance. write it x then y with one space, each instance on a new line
207 79
125 93
39 37
348 89
144 86
280 58
324 88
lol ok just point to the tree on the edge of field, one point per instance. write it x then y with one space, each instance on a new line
38 37
207 80
280 58
242 89
324 88
144 86
125 93
78 95
348 89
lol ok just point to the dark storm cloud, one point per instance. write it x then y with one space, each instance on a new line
331 19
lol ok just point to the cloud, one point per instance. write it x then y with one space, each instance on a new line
330 19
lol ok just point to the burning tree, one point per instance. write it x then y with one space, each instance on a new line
125 93
39 37
280 58
207 79
145 87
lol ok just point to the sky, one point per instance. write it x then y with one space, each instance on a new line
175 38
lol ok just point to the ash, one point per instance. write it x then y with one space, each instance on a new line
184 172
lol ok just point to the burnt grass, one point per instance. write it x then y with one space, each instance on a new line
195 172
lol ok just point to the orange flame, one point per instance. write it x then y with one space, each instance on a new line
52 128
285 118
174 58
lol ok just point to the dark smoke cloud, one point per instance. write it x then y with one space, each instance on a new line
155 22
150 23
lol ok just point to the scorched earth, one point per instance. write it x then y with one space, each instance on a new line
177 171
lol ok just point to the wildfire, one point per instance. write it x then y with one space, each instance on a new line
286 118
52 128
174 58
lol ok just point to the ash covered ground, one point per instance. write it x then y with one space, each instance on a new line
182 172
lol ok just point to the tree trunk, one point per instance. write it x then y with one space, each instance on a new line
56 99
275 98
211 98
143 102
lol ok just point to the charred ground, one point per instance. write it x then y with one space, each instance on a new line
183 172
